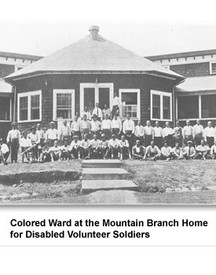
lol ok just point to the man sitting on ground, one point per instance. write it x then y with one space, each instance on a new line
75 147
152 152
213 151
55 152
189 151
4 152
45 153
103 146
124 148
85 147
25 144
95 147
138 151
177 152
202 150
114 147
166 151
65 151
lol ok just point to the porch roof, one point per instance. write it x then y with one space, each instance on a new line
5 88
197 84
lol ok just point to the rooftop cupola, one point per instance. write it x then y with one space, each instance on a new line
94 30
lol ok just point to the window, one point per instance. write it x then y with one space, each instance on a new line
63 104
208 106
29 106
161 105
212 67
188 107
130 99
5 107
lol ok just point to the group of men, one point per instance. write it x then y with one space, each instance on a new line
102 134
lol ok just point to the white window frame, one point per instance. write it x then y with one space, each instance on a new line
10 118
138 100
199 108
210 67
96 86
161 94
63 91
28 95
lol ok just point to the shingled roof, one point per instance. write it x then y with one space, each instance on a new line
93 54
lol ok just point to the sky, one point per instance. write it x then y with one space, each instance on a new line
144 38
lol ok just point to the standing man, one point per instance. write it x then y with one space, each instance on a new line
128 130
95 126
158 135
187 132
65 132
198 132
85 126
98 112
168 134
51 134
75 128
209 134
13 139
106 126
149 133
40 133
116 104
116 126
139 132
87 113
106 111
177 134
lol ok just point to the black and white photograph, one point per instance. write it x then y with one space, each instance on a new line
107 113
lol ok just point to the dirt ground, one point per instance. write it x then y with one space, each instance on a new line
161 182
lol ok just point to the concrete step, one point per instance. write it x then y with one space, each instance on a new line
95 185
104 174
100 163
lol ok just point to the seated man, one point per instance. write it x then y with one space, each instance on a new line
138 151
55 152
152 152
95 142
177 152
45 153
75 147
189 151
213 151
124 148
202 150
114 147
85 147
4 152
166 151
25 144
103 146
65 149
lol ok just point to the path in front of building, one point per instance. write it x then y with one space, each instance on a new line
105 181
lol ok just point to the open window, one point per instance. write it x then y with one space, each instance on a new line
130 103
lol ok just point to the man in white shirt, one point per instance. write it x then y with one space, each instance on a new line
213 151
157 135
106 126
189 151
106 111
75 127
95 142
13 139
177 134
210 134
98 112
95 126
198 132
128 130
33 150
103 146
152 152
168 134
40 133
85 147
114 148
166 151
202 150
4 152
149 133
85 126
187 132
87 113
124 148
138 151
65 132
116 104
25 144
75 147
116 126
55 152
51 134
177 152
139 132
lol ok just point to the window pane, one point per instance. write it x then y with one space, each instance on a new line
23 108
188 107
4 108
64 106
129 98
213 67
35 107
129 106
166 107
156 106
208 106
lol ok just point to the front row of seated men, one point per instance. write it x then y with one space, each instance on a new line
119 149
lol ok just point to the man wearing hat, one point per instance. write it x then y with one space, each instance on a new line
75 147
95 126
4 152
114 147
51 134
189 151
13 139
